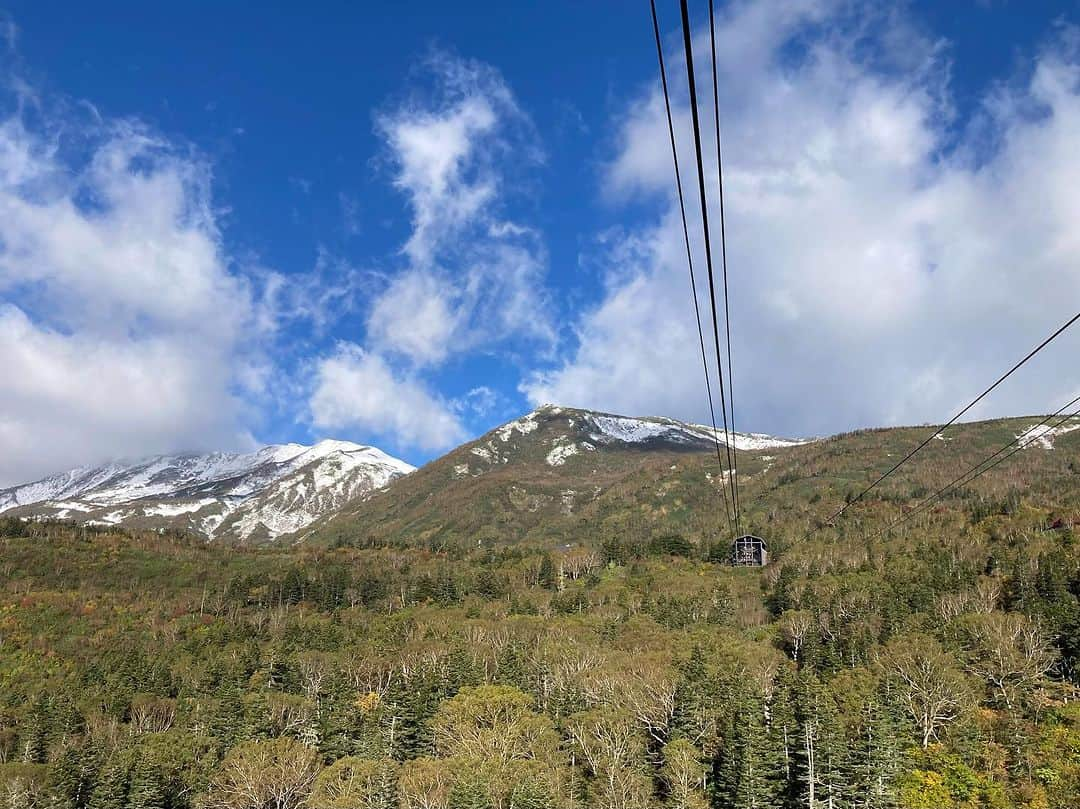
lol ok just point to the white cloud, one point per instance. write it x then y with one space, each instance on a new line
355 389
473 278
882 271
124 327
321 297
480 401
434 151
127 326
76 398
415 316
142 252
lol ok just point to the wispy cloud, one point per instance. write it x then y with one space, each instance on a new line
473 277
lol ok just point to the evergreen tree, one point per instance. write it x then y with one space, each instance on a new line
35 735
73 775
820 753
546 577
784 735
488 585
875 758
226 722
446 589
410 704
469 792
462 669
530 793
511 663
293 586
147 790
781 600
748 771
111 789
692 717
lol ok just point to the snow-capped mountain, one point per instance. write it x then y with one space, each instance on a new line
240 496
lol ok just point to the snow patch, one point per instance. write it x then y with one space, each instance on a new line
524 425
752 442
1043 435
633 431
485 453
560 452
71 505
173 510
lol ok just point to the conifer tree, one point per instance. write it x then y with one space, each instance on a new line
73 776
469 792
784 733
530 793
111 789
874 758
692 717
546 577
446 589
749 768
35 735
147 790
820 753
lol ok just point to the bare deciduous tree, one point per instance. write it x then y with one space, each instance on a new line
260 774
1010 652
424 783
933 690
612 746
795 626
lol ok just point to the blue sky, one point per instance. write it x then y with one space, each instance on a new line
224 227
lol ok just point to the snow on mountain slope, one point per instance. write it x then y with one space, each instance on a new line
584 431
608 428
752 442
321 485
1043 435
242 496
604 428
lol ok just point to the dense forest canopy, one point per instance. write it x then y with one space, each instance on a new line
619 664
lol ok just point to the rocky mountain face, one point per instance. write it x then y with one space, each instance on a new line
241 497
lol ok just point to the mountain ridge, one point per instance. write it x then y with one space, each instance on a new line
552 472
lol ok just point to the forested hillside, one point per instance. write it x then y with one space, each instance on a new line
615 661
